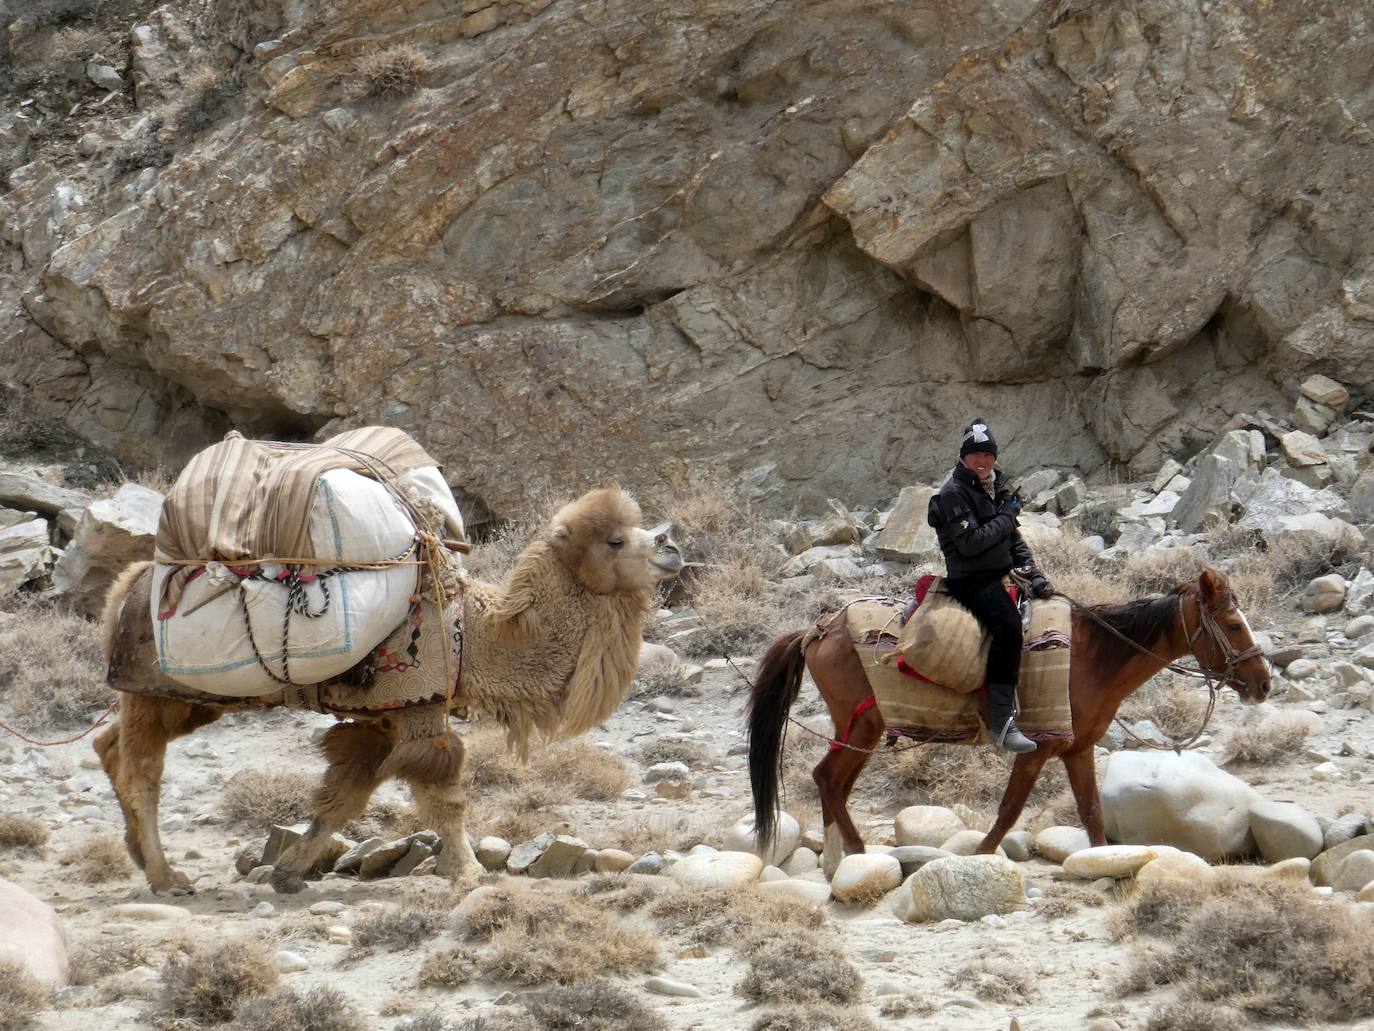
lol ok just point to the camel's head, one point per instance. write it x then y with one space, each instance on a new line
598 537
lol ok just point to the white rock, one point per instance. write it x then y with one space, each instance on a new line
1300 669
770 874
32 936
1325 391
863 878
960 888
1355 872
1327 771
965 843
1115 861
812 893
1181 800
722 870
1324 593
1176 866
147 911
802 860
927 825
786 837
264 909
327 907
1284 830
1058 843
667 986
289 962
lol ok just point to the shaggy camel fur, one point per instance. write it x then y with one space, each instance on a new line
550 653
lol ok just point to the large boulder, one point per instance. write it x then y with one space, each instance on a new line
864 878
111 534
1284 830
1327 866
717 870
930 825
1163 798
25 554
32 935
907 536
960 887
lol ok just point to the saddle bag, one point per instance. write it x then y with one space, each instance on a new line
944 642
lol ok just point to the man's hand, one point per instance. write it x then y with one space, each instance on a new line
1041 587
1010 504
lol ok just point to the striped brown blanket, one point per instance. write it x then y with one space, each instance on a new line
924 711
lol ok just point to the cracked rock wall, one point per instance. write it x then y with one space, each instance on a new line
616 239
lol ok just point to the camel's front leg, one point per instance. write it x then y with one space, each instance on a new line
430 760
355 752
133 752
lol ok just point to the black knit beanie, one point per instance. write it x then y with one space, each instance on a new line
977 437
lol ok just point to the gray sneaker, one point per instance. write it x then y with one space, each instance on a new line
1009 738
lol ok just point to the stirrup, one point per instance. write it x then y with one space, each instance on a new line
1011 739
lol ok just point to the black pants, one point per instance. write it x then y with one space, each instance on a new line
987 599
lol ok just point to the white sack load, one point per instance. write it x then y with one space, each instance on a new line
221 626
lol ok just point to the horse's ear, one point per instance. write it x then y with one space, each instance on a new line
1213 585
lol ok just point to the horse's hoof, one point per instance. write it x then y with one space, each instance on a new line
284 883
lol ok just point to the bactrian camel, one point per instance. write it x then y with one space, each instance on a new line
550 653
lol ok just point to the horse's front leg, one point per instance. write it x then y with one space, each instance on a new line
1024 773
1082 770
835 776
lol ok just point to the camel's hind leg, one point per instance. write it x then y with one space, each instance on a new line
430 761
355 752
132 753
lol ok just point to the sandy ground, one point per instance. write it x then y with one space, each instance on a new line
1072 959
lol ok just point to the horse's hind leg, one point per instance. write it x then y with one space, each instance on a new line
835 776
355 752
133 752
431 763
1024 774
1082 771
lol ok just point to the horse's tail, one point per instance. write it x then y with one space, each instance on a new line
775 689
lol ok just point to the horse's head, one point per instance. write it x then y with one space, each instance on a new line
1221 639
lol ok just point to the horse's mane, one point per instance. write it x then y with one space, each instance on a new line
1143 621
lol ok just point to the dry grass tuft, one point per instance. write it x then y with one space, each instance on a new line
1175 705
1264 745
537 936
996 979
717 917
816 1016
623 892
737 602
556 773
98 859
668 679
319 1009
1161 571
20 831
207 984
658 832
949 775
1061 900
51 670
384 818
264 799
795 966
101 955
595 1005
448 968
388 72
1196 1015
1272 951
674 750
395 929
21 997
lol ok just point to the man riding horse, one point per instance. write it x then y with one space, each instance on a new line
975 519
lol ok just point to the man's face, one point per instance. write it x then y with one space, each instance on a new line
980 463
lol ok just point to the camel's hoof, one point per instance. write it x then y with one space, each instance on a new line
176 884
284 883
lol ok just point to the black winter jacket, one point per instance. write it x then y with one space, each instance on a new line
977 533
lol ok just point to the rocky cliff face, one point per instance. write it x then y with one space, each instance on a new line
804 241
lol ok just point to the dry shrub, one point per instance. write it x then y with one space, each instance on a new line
1161 570
1196 1015
395 929
714 917
794 966
51 669
949 775
737 603
1273 951
537 935
574 769
1072 569
668 679
658 832
895 1007
996 979
496 550
674 750
385 817
448 968
206 984
103 955
263 799
1264 745
20 831
816 1016
1175 705
388 72
97 859
319 1009
21 996
1061 900
623 892
595 1005
431 1021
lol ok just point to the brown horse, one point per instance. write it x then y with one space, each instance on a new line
1115 649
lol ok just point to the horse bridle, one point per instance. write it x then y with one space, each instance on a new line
1207 620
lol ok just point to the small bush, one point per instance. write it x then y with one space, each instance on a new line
98 859
396 929
1265 745
737 603
714 918
21 997
1176 706
658 832
208 983
263 799
673 750
51 669
537 936
1061 900
595 1005
793 966
20 831
320 1009
389 72
668 679
1195 1015
448 968
1272 951
818 1016
100 956
623 892
996 980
